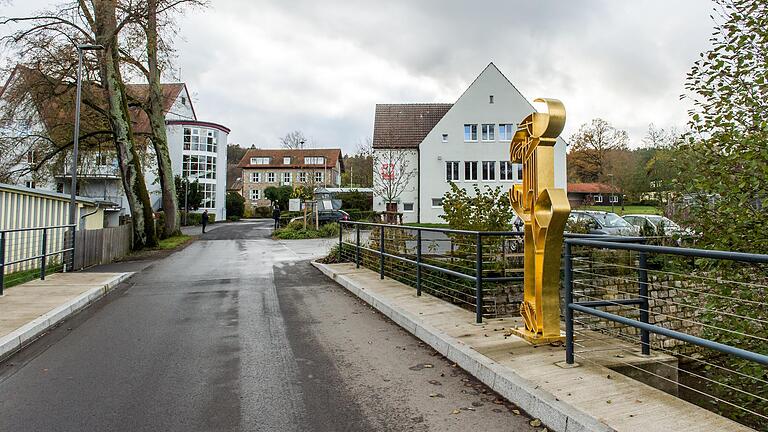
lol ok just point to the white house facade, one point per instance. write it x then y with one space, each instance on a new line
466 143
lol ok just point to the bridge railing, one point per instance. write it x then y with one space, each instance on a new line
707 309
31 253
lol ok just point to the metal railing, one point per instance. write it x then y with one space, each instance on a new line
706 309
457 265
31 253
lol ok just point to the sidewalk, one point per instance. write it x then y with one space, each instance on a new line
28 310
584 398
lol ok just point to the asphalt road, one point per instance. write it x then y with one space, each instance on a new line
238 332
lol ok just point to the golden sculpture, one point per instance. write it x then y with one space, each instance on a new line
544 209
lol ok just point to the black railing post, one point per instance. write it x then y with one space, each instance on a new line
341 241
357 245
43 255
418 262
568 288
2 262
72 264
642 278
479 278
381 252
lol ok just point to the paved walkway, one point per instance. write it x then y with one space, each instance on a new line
533 377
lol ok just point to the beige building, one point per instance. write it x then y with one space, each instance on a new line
262 168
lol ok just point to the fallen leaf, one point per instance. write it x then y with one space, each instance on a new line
516 412
456 411
535 422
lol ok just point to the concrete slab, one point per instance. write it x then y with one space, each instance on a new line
28 310
591 397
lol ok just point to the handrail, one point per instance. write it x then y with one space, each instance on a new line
41 254
10 230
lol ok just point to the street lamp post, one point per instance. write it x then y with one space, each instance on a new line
75 143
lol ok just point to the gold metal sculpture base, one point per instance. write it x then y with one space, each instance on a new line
535 338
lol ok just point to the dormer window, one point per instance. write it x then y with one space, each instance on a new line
259 161
287 160
314 160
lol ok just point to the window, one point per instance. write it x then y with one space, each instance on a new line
314 160
29 184
598 198
519 171
103 159
255 194
470 132
302 177
506 170
490 99
489 170
198 167
437 202
451 171
506 132
287 160
209 195
407 207
270 177
183 100
200 139
31 156
259 161
255 177
614 198
286 178
319 177
470 171
489 132
445 137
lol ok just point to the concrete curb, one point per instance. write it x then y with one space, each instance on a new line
556 414
30 331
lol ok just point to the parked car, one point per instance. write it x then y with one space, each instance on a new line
654 223
600 222
327 216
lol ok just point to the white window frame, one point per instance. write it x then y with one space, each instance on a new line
255 177
488 132
314 160
470 166
509 131
453 174
598 198
483 170
286 178
470 132
286 160
413 207
255 194
302 177
270 177
511 171
613 198
259 161
318 176
440 200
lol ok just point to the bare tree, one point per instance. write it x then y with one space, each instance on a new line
392 174
294 140
590 146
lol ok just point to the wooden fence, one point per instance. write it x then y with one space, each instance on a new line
102 246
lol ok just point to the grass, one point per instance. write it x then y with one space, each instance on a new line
296 231
172 242
23 276
630 209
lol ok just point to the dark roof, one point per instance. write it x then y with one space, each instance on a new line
405 125
297 158
590 188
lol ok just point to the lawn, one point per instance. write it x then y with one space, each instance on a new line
172 242
630 209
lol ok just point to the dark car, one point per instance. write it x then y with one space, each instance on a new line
327 216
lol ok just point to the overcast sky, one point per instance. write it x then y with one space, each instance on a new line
264 68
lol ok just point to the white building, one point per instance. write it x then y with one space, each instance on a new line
198 149
466 143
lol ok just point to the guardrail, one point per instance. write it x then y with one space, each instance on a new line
706 308
460 264
26 253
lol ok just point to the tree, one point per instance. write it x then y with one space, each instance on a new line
725 154
293 140
235 153
194 195
235 204
589 148
279 195
392 173
486 210
359 167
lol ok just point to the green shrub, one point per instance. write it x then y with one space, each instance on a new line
262 212
194 218
487 210
235 204
234 218
355 200
295 230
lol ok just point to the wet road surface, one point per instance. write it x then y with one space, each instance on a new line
238 332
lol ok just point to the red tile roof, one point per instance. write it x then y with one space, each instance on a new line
332 156
405 125
590 188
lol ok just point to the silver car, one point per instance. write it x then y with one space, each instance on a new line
606 223
655 223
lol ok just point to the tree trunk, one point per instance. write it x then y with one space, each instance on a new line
128 157
156 116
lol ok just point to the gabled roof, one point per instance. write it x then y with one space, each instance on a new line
332 156
591 188
139 118
405 125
